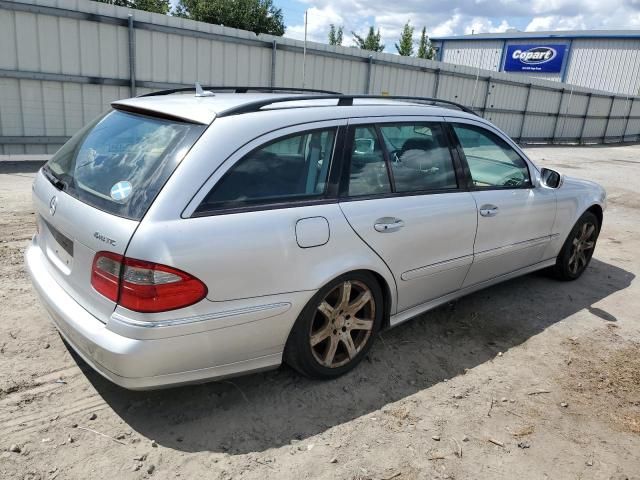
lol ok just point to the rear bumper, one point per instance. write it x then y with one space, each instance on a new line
140 364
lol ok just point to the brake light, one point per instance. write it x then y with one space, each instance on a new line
105 274
144 286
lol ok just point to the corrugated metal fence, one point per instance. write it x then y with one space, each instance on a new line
63 61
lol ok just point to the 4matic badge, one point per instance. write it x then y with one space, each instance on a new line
105 239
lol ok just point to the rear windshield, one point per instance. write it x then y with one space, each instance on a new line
119 162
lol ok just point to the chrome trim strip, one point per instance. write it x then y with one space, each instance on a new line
281 307
480 256
405 315
437 267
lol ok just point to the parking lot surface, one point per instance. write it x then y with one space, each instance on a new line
532 378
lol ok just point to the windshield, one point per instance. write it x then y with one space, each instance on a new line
119 162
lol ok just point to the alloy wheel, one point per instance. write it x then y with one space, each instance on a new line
342 324
582 247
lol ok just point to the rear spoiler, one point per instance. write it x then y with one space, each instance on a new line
140 110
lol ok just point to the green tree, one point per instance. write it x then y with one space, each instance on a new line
156 6
405 47
335 35
258 16
372 41
425 50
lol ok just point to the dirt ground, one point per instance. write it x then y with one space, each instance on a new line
531 379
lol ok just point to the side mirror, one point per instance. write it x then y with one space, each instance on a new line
550 178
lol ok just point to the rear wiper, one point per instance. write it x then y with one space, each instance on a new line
55 181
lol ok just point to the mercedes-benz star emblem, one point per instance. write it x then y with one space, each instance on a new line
53 203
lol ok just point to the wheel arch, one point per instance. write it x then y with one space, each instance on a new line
289 354
387 295
598 212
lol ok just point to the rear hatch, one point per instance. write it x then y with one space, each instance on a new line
93 193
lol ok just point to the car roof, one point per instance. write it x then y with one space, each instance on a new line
204 109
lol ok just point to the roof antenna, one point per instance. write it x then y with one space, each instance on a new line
201 93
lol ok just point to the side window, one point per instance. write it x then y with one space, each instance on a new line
492 162
292 168
368 173
420 157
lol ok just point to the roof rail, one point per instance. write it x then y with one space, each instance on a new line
343 100
243 89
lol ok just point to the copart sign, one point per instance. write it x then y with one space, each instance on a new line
534 58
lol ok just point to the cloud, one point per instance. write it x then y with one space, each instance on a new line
485 25
318 21
556 23
457 17
448 27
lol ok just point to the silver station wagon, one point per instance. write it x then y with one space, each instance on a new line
195 234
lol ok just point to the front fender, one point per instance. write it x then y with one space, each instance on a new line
574 197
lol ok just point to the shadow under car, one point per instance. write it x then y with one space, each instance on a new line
236 416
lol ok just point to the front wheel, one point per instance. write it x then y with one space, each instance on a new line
336 328
578 249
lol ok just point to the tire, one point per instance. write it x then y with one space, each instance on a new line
325 341
576 253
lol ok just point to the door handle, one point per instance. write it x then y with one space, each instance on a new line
488 210
388 224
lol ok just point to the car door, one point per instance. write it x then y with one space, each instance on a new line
515 216
402 193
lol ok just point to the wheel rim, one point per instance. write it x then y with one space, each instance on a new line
582 247
342 324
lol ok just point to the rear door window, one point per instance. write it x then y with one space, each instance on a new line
288 169
368 173
121 161
420 157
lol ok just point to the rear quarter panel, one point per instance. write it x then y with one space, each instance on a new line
253 254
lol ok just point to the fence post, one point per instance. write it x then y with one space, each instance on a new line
566 114
436 84
274 46
555 124
369 71
132 56
626 122
486 97
524 114
606 125
584 119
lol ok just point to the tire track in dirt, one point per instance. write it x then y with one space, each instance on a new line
44 382
39 414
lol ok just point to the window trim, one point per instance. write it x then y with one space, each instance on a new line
326 197
463 158
462 179
387 158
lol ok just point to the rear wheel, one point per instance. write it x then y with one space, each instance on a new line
578 249
336 328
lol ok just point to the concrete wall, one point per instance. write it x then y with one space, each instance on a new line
63 61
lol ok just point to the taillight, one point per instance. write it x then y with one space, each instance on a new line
105 274
144 286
